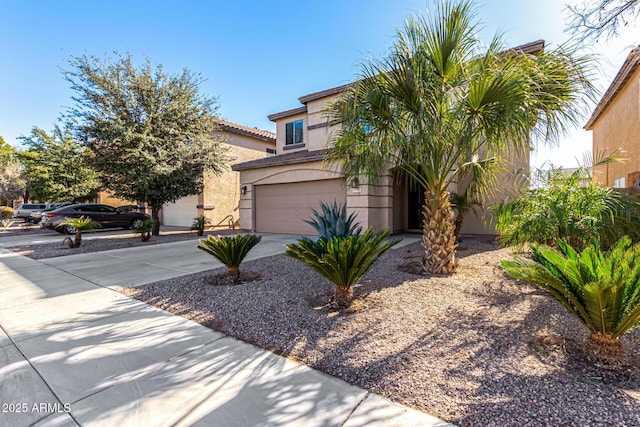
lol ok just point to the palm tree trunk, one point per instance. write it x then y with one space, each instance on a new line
344 296
438 234
78 241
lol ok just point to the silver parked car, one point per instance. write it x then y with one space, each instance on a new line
24 210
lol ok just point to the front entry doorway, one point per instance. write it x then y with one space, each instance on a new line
414 207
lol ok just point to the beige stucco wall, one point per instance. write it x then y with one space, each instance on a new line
107 198
315 138
319 136
618 128
221 197
281 134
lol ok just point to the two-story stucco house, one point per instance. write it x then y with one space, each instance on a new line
615 123
279 192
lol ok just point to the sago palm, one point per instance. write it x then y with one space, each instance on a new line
77 226
442 107
602 289
342 260
231 251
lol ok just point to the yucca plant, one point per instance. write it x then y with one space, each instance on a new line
602 289
77 226
199 223
143 228
230 250
334 222
342 260
6 223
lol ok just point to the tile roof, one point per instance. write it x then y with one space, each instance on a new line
628 68
282 159
247 131
530 48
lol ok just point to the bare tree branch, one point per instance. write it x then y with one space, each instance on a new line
592 19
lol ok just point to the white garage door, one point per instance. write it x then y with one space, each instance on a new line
181 213
282 208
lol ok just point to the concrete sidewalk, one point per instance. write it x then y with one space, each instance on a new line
75 353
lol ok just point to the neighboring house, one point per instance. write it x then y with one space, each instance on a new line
615 123
280 191
220 199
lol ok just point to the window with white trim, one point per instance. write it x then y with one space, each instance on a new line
619 183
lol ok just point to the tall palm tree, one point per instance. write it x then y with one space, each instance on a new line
441 107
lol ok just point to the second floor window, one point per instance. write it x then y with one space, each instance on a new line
294 133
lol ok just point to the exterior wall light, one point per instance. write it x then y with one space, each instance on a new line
243 189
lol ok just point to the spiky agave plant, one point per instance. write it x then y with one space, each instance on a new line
77 226
602 289
230 250
334 222
342 260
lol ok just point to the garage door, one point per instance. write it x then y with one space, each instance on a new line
282 208
181 213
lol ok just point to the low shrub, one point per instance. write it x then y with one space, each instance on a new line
6 212
199 223
566 208
143 228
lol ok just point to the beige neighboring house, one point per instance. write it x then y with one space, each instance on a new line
615 123
281 190
219 201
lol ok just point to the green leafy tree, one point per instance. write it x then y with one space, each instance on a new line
600 289
56 166
12 183
440 107
151 132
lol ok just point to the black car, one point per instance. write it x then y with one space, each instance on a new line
104 215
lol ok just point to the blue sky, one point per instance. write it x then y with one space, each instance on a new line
258 57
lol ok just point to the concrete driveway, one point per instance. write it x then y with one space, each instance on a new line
145 264
73 353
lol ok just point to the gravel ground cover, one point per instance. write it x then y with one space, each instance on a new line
476 348
58 248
